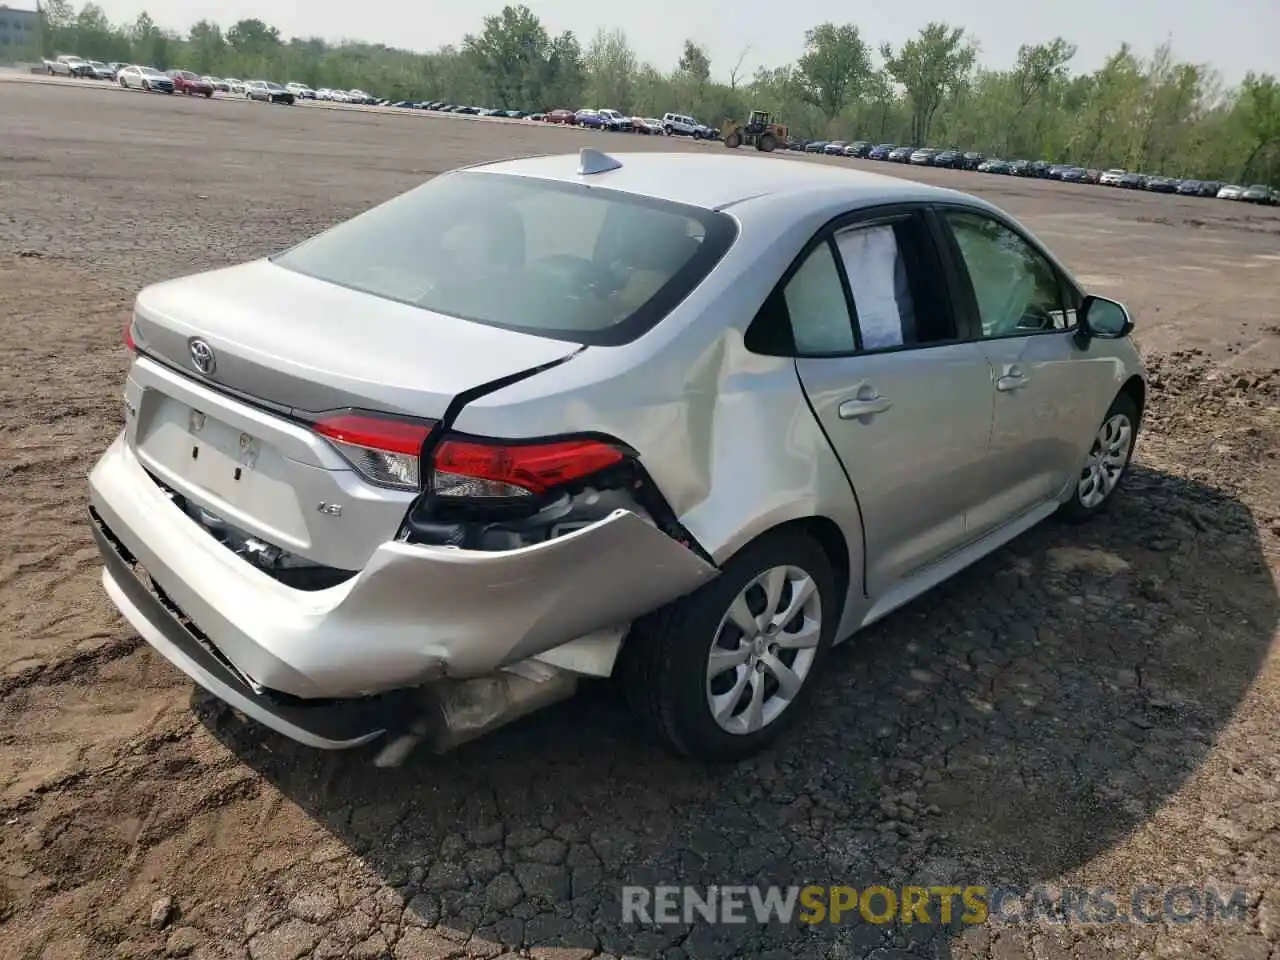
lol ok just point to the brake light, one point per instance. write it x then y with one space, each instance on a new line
384 450
129 343
493 468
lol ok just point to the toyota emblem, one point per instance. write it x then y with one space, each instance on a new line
202 356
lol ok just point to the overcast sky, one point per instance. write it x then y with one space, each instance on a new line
1234 36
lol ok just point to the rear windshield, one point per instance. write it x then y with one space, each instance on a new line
561 260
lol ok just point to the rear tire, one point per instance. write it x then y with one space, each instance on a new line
1107 464
680 657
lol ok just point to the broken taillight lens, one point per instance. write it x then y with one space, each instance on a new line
385 450
472 468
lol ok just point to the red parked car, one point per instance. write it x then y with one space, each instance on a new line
184 81
561 116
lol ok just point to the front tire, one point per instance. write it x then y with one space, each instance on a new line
1108 462
733 141
723 672
767 143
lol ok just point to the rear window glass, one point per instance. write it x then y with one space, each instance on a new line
561 260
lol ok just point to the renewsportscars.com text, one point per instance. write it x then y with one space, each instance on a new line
937 904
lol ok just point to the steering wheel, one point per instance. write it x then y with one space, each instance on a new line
1035 317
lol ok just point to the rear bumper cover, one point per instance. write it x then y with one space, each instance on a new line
333 724
414 614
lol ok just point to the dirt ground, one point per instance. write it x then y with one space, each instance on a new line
1093 705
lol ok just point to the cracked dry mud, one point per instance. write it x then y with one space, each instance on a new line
1092 704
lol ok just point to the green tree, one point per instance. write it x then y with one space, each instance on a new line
150 44
511 51
695 61
1260 105
929 67
565 73
253 37
206 45
611 71
834 68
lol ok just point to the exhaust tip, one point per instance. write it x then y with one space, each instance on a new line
460 711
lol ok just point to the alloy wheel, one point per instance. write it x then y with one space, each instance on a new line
1107 460
764 649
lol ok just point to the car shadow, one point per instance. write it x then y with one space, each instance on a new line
1004 729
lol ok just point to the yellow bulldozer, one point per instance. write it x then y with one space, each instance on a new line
759 131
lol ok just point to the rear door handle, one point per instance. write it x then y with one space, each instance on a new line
852 409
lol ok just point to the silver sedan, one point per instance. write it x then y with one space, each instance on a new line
690 420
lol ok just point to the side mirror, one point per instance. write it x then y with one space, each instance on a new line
1102 318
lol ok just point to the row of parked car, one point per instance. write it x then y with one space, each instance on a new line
670 124
1040 169
185 81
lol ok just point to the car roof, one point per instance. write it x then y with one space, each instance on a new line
715 182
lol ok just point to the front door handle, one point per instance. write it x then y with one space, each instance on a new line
853 409
1010 381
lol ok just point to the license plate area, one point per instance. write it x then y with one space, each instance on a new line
232 472
221 458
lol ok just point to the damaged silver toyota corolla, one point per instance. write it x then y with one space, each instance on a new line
689 420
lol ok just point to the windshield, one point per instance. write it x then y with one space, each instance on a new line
150 71
274 86
583 264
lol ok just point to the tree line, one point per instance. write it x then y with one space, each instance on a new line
1155 114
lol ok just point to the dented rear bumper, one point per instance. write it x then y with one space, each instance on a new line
414 614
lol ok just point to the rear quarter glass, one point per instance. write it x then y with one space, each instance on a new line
583 264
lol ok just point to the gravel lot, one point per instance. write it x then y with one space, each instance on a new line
1091 705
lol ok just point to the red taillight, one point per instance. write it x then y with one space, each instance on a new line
384 449
129 343
493 468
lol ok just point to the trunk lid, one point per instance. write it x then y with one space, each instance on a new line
305 345
229 443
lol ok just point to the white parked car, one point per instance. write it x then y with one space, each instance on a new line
683 125
145 78
69 65
1232 191
235 86
301 91
693 427
1111 178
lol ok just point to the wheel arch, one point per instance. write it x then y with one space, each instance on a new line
827 534
1135 388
